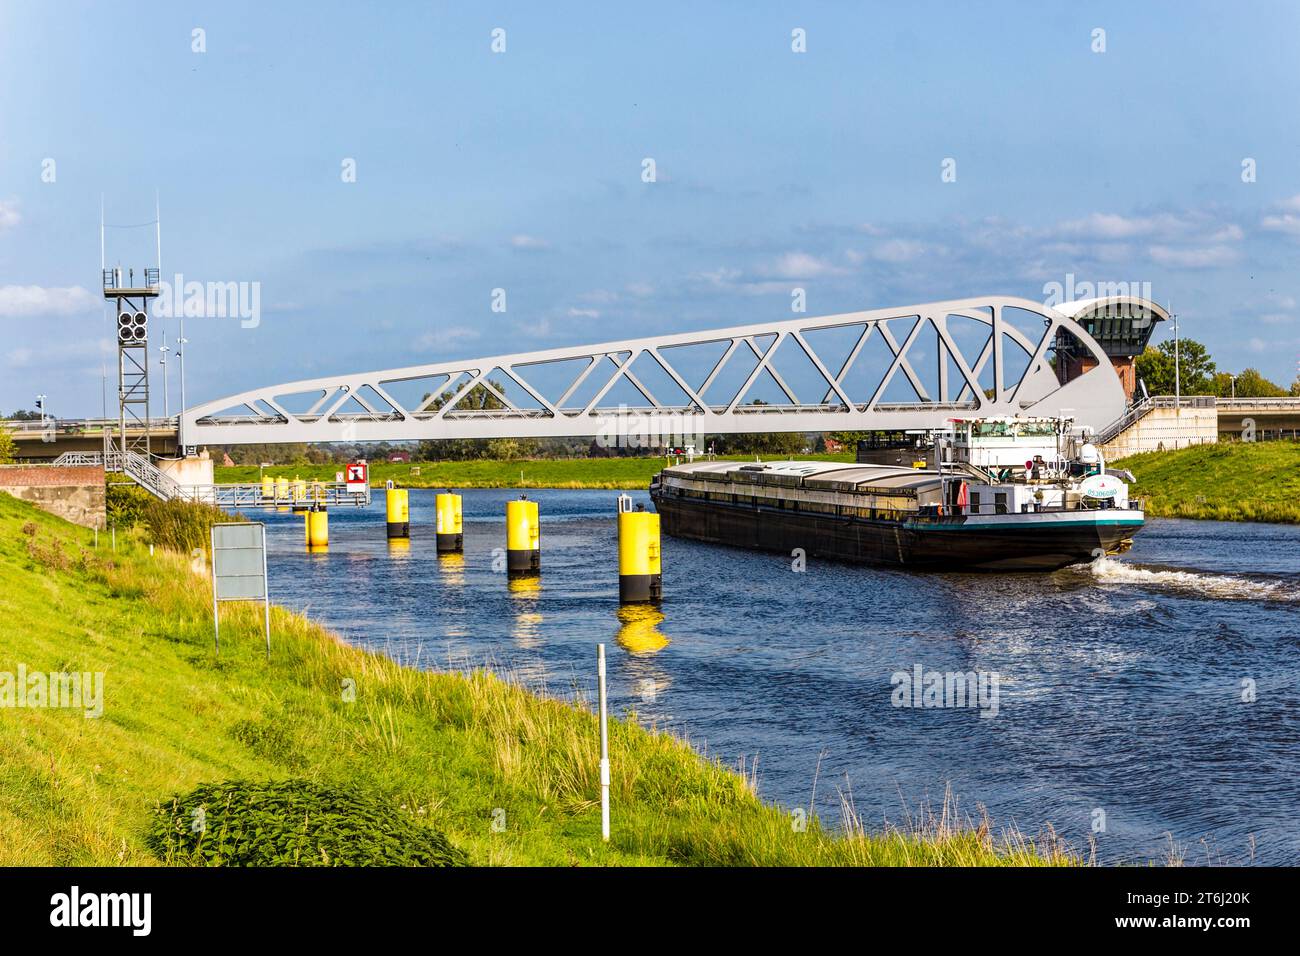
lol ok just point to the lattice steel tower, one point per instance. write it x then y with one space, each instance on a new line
132 321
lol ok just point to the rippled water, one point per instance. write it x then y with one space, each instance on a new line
1120 684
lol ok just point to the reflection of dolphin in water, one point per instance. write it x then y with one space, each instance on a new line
451 564
525 586
638 632
525 591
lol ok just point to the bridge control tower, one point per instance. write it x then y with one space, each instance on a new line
132 327
1121 325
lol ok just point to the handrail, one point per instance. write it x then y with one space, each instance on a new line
1140 410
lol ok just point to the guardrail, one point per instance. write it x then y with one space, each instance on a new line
333 493
1140 410
1290 402
81 426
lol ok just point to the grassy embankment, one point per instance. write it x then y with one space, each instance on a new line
620 473
444 750
1237 481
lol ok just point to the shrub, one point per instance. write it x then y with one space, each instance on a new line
292 823
182 525
125 501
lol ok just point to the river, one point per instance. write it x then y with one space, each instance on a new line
1149 702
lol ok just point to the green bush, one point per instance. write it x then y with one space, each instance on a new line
125 501
8 448
292 823
182 525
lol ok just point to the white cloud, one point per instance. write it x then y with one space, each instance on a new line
444 337
584 313
1286 220
60 354
9 214
529 243
1192 226
1203 257
801 265
1105 225
898 250
18 301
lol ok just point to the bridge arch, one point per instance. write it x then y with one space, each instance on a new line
497 396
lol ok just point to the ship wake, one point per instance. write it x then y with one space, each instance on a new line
1192 583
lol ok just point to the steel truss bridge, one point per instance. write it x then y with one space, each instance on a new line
989 356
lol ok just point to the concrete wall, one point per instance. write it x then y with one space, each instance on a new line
76 494
195 470
1164 429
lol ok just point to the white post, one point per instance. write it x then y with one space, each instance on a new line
1178 376
604 744
266 595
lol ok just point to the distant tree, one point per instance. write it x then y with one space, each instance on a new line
478 398
8 449
25 415
1155 367
1221 384
1252 384
452 449
772 444
507 449
1295 387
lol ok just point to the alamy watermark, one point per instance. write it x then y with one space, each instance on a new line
921 688
652 429
82 691
210 300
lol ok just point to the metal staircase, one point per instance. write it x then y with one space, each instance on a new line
136 467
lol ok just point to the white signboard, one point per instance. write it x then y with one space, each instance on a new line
239 570
358 476
1101 486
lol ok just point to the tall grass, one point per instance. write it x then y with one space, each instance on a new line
181 525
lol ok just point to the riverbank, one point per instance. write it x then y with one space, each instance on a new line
1228 481
509 777
627 474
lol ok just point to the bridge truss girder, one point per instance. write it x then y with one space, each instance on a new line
361 406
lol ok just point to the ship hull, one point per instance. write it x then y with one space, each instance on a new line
1029 542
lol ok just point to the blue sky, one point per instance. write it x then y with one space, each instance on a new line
521 170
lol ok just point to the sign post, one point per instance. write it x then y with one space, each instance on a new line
604 745
358 477
239 571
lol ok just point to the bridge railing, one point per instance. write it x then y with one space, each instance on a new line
80 426
1140 410
1284 403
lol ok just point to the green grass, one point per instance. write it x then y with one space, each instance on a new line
457 753
1229 481
621 473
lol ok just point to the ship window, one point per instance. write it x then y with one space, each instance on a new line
1000 502
974 502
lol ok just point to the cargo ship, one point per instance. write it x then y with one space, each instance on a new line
994 494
